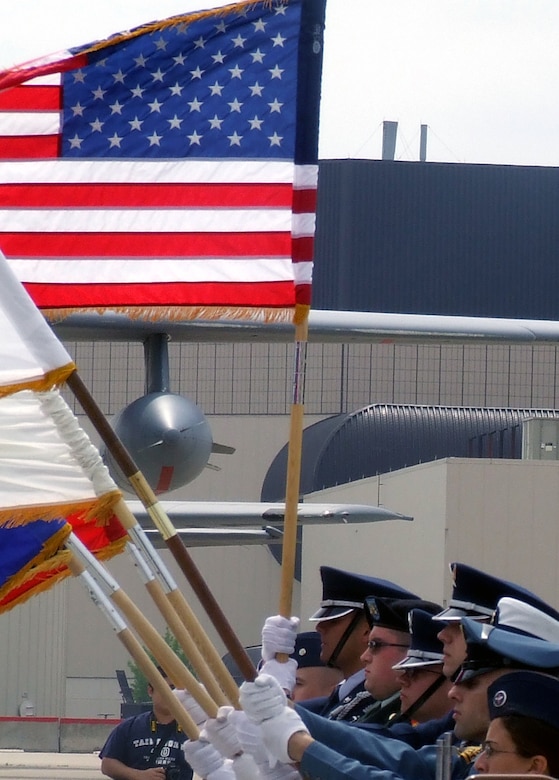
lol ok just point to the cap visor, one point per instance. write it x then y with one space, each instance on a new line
416 663
329 613
454 615
463 675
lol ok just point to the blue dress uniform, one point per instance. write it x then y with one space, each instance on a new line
343 751
344 592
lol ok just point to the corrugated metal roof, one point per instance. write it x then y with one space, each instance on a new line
437 238
385 437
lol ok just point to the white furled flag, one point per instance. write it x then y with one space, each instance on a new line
31 357
171 170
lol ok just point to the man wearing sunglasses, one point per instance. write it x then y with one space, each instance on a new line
388 644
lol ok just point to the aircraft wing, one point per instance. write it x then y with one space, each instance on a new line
250 522
324 327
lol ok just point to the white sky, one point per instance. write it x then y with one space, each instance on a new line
482 74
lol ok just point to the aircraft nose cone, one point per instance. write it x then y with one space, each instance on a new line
171 436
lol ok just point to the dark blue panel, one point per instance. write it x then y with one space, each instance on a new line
437 238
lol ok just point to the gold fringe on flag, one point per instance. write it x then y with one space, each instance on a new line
47 381
56 569
49 558
176 21
94 509
178 313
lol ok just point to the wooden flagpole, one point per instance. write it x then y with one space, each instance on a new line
293 475
164 525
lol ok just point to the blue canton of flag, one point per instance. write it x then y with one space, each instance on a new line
213 88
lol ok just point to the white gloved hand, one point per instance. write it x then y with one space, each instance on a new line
277 731
249 733
244 767
278 772
191 706
225 772
284 673
222 733
262 699
278 636
250 737
204 758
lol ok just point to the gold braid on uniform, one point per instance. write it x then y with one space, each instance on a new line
470 753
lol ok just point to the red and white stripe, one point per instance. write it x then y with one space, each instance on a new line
147 232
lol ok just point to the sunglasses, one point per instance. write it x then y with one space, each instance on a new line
375 645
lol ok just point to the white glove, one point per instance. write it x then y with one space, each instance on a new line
278 772
225 772
285 673
191 706
245 767
222 734
250 737
205 760
278 636
249 733
262 699
277 731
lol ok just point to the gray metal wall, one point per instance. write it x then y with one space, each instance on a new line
437 238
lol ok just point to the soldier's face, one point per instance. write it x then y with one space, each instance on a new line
470 709
312 681
454 650
390 647
331 631
501 756
413 684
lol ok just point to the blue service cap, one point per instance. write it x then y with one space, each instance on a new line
514 615
344 591
490 647
307 649
395 613
475 594
425 648
526 693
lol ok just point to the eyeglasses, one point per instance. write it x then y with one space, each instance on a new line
378 644
488 750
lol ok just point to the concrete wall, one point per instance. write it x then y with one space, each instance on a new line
54 735
496 515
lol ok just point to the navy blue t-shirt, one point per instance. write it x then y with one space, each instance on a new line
134 743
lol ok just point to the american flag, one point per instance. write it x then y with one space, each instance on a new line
170 170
